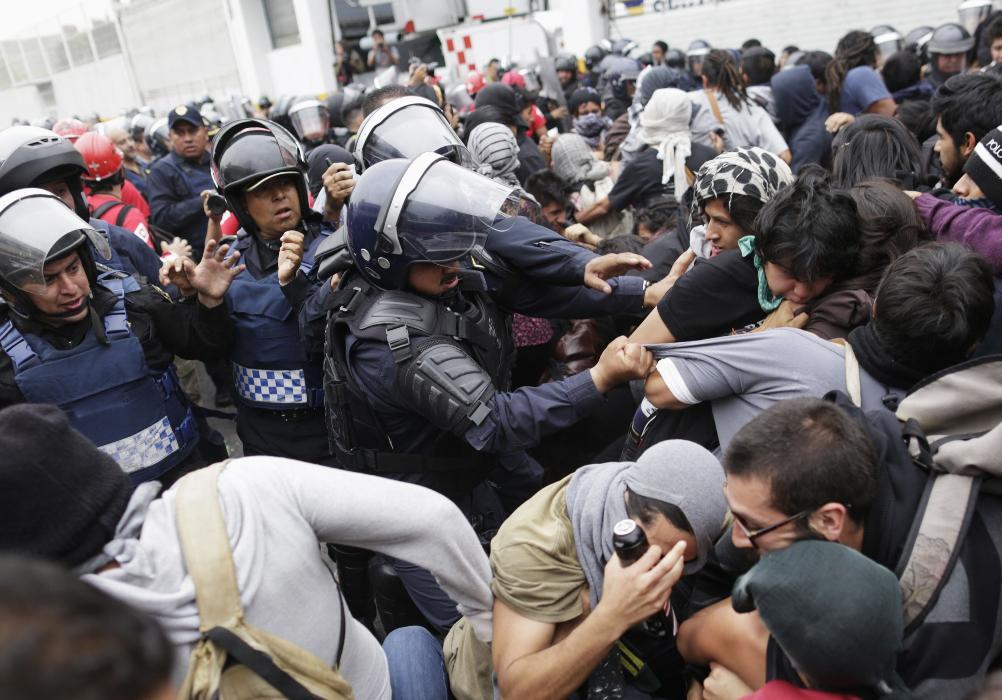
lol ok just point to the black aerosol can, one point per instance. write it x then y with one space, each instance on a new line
630 543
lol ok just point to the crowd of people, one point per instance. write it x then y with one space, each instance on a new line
683 380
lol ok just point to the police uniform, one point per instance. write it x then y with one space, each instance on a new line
119 390
175 186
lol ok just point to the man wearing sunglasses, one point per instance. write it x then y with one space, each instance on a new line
805 469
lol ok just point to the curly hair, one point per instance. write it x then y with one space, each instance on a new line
857 48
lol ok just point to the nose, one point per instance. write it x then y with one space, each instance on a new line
739 538
67 286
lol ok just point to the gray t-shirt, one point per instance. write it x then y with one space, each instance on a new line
744 375
744 128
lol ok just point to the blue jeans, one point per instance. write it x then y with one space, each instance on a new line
417 666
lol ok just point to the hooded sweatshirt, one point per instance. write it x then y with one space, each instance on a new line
802 113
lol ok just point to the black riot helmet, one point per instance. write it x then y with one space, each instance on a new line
279 112
950 38
30 156
405 128
248 152
917 40
157 137
623 47
675 58
593 56
566 61
887 39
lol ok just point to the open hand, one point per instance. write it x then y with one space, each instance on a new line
212 276
604 267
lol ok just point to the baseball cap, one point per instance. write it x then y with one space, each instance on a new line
187 113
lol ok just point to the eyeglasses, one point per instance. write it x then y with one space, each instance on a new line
752 535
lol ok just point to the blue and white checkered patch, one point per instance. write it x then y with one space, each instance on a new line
145 448
273 386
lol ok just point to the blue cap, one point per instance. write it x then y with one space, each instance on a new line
186 113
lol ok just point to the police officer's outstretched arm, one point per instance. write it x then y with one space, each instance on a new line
493 421
200 330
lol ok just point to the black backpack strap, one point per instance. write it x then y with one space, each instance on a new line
104 209
122 213
259 662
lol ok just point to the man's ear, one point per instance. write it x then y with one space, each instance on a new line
967 147
829 521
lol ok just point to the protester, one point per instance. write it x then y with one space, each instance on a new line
875 146
966 108
853 84
575 163
801 113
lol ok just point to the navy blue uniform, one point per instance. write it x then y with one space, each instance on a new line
129 253
175 186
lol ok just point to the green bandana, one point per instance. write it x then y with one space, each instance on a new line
766 299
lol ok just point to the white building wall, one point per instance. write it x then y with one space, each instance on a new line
809 24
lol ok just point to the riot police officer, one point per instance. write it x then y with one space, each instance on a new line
311 121
259 168
99 344
947 48
33 157
419 350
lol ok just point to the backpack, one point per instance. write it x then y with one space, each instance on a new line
950 425
234 660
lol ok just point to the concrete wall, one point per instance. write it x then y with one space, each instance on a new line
809 24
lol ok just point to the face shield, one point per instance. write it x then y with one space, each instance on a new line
311 120
36 226
888 43
972 13
440 211
406 128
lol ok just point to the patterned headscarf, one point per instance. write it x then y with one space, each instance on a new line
752 172
574 161
495 148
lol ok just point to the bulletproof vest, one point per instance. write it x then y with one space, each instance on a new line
103 227
270 367
405 322
136 415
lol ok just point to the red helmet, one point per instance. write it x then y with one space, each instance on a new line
474 81
70 129
513 78
101 156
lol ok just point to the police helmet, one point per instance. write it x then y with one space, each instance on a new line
310 120
593 56
425 210
280 111
138 124
566 61
36 227
950 38
887 39
405 128
698 47
972 13
246 153
675 58
30 157
157 137
623 47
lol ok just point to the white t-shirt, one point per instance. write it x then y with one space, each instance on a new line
744 128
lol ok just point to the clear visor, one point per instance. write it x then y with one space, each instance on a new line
972 14
311 123
889 43
412 131
451 211
33 228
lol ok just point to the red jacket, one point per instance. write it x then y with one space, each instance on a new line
133 219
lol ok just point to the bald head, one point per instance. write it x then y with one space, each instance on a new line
123 140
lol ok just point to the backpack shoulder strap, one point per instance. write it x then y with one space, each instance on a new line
711 97
104 209
122 213
206 548
852 383
934 543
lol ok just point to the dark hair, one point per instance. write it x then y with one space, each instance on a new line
547 187
889 226
380 96
811 453
790 49
743 209
750 44
917 118
817 61
810 228
759 64
933 304
876 146
659 215
377 32
62 638
722 73
646 509
993 30
107 184
969 102
857 48
661 45
901 69
625 243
